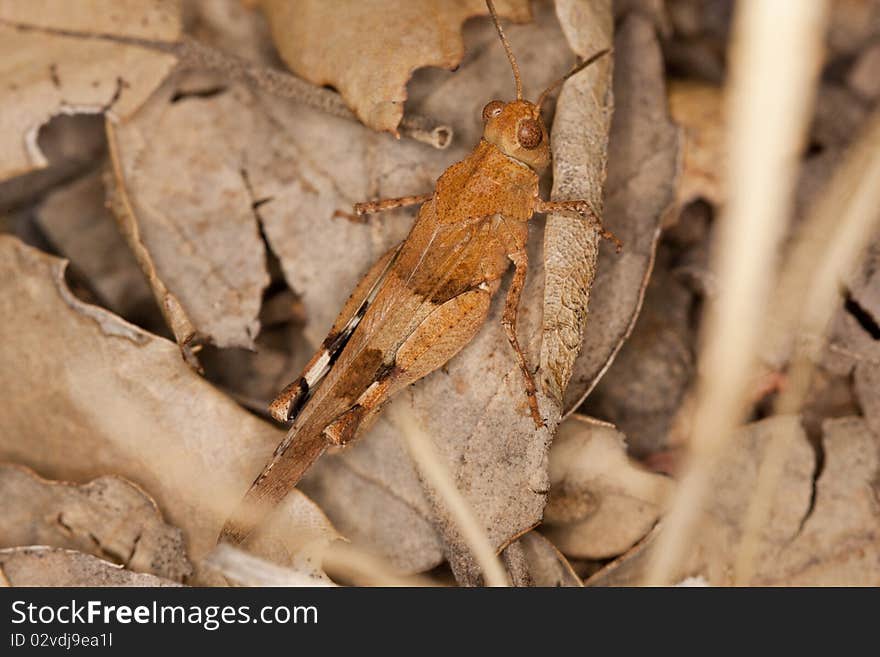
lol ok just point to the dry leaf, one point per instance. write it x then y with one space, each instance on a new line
75 220
839 542
697 108
642 153
547 566
368 49
89 394
184 204
48 566
108 517
645 386
47 73
579 144
713 551
862 312
601 503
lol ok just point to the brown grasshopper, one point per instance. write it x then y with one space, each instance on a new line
425 299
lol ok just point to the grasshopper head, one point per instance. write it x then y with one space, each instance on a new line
517 129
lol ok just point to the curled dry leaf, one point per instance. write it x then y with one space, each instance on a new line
547 566
108 517
125 403
713 551
368 50
49 566
579 144
642 156
47 73
601 502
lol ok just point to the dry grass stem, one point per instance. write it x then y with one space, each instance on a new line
774 63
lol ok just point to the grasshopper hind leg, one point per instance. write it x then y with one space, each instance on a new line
508 321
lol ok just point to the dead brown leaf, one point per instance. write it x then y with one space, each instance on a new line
89 394
713 551
184 204
368 49
107 517
642 156
580 150
839 542
644 388
49 566
532 560
601 502
45 74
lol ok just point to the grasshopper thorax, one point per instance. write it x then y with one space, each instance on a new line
518 131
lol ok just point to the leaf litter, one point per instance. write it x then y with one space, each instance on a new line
223 190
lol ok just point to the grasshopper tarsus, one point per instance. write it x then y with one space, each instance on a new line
357 218
611 237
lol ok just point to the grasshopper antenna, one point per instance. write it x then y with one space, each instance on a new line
507 49
576 69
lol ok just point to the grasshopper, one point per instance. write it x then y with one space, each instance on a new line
426 298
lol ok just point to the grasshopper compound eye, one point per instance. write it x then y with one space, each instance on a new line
492 109
529 133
